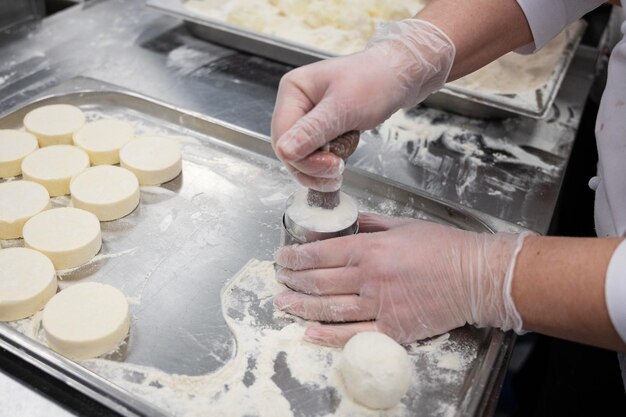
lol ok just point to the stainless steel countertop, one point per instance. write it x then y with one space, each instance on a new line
512 169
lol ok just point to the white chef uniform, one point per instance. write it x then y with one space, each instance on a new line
546 19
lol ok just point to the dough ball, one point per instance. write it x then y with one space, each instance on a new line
86 320
27 282
14 147
376 370
68 236
54 124
19 201
153 159
103 139
54 166
107 191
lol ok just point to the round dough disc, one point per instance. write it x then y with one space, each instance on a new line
54 124
86 320
107 191
14 147
54 166
19 201
153 159
27 282
68 236
103 139
376 370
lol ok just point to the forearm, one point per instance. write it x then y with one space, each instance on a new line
558 289
481 30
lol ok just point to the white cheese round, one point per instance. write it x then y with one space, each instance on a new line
103 139
153 159
19 201
54 166
14 147
54 124
27 282
68 236
86 320
107 191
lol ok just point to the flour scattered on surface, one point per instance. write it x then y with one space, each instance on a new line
274 372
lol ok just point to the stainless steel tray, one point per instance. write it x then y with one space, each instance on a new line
467 102
224 210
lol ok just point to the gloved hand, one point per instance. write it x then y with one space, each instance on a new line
407 278
403 64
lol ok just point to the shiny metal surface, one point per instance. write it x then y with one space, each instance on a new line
15 12
452 98
127 44
294 233
175 252
124 43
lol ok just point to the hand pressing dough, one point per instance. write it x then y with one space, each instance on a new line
54 124
107 191
19 201
103 139
14 147
54 166
86 320
153 159
68 236
27 282
376 370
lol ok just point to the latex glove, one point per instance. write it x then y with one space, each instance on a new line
410 279
404 63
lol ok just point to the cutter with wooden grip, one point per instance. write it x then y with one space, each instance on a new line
343 147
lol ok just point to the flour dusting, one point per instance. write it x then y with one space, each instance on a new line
274 372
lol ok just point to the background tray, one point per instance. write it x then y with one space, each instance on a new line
174 254
457 99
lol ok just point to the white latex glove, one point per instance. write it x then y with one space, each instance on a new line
403 64
407 278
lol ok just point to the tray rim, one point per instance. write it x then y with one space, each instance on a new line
501 105
498 347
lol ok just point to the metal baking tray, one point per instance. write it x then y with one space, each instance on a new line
189 237
535 104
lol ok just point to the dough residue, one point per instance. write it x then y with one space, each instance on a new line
345 26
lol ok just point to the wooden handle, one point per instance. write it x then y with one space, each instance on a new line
343 147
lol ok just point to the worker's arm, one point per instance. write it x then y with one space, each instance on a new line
404 63
559 289
481 30
413 279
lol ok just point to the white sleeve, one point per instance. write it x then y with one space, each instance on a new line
615 290
547 18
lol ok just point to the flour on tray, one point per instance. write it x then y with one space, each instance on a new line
274 372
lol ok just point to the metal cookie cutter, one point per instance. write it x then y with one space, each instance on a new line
292 232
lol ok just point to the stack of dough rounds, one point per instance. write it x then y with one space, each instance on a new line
68 236
27 282
86 320
107 191
19 201
14 147
103 139
153 159
54 124
54 166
